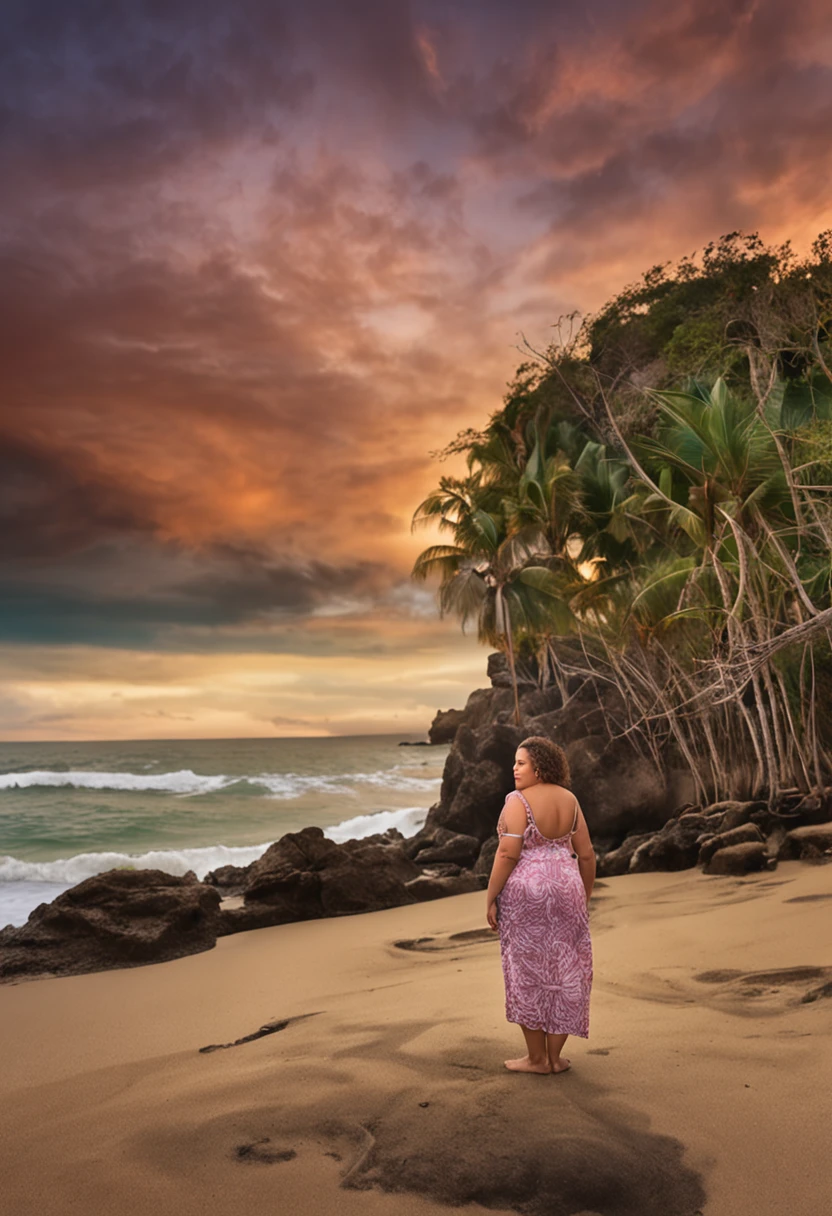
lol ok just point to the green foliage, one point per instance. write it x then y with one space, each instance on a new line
659 484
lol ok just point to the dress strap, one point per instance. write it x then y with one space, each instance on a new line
529 816
575 820
512 835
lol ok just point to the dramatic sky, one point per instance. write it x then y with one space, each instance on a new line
258 259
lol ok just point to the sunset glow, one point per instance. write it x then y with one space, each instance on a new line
258 261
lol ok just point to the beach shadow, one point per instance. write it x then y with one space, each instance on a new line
410 1120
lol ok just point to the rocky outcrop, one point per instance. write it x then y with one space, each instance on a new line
747 833
229 880
733 814
477 777
498 672
485 860
812 842
305 876
617 861
619 789
674 847
731 837
747 858
444 726
445 846
119 919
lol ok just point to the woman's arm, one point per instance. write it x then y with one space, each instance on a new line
582 845
506 857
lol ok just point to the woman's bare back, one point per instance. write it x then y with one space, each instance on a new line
553 808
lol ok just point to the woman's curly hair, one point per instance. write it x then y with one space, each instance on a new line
548 760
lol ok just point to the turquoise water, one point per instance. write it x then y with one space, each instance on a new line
70 810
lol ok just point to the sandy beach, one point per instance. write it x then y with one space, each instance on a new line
703 1087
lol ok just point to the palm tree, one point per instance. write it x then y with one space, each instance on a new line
747 567
488 573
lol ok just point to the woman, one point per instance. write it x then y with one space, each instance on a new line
538 893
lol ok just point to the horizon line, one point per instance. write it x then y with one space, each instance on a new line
222 738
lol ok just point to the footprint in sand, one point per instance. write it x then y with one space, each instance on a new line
259 1152
779 989
451 941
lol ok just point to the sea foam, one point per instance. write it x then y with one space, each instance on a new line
183 782
25 884
281 786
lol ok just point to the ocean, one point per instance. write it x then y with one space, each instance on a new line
71 810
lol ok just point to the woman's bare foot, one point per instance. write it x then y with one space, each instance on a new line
560 1065
525 1064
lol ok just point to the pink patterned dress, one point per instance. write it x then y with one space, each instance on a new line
544 934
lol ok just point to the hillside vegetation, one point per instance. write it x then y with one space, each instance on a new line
651 509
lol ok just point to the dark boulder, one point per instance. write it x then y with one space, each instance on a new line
576 720
304 876
485 860
733 814
391 837
499 674
478 775
376 855
428 886
533 703
365 880
248 916
617 861
477 802
746 833
122 918
809 843
620 790
230 880
747 858
288 875
675 847
423 839
498 744
444 726
449 847
454 770
813 809
479 708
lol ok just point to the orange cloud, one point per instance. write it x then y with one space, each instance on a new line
257 264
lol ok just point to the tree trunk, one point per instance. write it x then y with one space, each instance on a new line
504 619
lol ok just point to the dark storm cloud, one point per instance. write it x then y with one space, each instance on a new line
134 597
51 506
107 95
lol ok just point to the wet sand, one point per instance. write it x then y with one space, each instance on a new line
380 1087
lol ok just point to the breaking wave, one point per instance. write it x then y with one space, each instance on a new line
185 782
25 884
